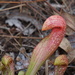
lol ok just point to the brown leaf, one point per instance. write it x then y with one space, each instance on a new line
70 23
69 31
71 38
71 56
26 18
65 45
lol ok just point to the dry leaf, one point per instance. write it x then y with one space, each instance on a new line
71 56
25 17
65 45
15 22
70 23
71 38
69 31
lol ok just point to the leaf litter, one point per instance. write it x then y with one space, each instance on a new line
26 21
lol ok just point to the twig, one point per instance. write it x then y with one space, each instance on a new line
46 67
53 8
21 37
65 4
14 45
24 45
19 50
14 39
57 6
2 27
22 1
2 7
36 11
72 1
13 7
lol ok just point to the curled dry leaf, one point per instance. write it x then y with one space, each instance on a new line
26 18
65 45
16 22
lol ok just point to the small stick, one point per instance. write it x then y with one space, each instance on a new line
46 67
13 7
22 1
21 37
